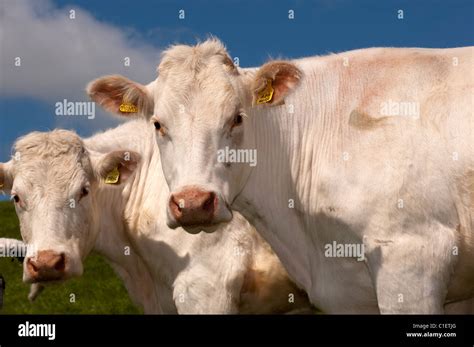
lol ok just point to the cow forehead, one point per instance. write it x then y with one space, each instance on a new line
198 96
197 81
210 97
50 176
191 60
58 156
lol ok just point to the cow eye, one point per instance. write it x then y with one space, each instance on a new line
84 192
158 127
238 119
16 198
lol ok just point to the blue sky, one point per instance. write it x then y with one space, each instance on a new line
255 29
60 55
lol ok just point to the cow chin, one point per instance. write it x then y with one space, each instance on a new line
67 276
224 217
197 229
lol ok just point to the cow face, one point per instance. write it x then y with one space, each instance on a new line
52 179
200 106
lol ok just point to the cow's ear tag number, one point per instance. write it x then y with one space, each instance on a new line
113 176
127 107
266 94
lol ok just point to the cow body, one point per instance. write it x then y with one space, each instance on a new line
371 148
401 185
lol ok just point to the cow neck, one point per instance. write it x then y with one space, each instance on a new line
113 240
270 190
278 197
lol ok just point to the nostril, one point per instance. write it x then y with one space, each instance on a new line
61 263
174 202
175 206
209 203
179 204
31 265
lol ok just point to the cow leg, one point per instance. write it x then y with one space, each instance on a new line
411 271
35 291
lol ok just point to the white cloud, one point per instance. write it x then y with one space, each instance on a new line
59 55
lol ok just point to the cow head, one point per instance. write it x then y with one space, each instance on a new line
52 179
201 107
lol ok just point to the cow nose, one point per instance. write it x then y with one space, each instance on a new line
193 206
46 266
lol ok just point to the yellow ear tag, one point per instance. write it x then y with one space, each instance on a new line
113 176
265 95
128 108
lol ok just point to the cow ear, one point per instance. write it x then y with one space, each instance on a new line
6 178
274 81
116 167
121 96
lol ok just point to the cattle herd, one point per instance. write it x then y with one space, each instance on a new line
358 198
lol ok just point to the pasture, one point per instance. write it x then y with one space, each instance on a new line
98 291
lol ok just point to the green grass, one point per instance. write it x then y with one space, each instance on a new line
98 291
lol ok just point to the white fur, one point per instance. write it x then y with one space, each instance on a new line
345 176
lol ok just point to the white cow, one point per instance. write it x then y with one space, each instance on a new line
364 183
66 209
